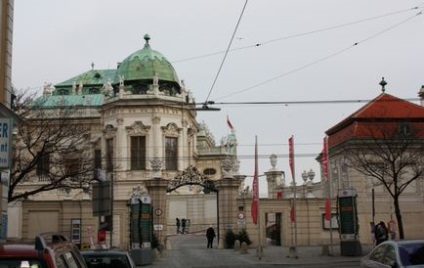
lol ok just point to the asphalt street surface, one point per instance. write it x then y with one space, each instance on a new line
191 251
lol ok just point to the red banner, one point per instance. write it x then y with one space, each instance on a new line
229 123
325 159
325 171
291 156
255 188
327 209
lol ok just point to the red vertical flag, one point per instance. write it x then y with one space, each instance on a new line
327 209
229 123
325 159
291 163
325 170
255 188
291 156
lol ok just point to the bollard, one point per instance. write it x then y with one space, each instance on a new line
221 243
236 245
156 254
243 249
167 244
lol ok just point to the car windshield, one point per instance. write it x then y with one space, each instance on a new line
20 263
106 261
412 254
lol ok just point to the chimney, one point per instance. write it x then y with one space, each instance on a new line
421 95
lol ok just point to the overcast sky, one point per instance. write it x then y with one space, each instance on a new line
283 51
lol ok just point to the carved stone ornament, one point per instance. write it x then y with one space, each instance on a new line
171 130
190 176
139 191
137 128
227 165
110 131
156 164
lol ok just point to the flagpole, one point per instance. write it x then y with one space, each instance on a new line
329 198
295 210
328 178
260 249
294 223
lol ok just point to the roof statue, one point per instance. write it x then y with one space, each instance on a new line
107 89
48 88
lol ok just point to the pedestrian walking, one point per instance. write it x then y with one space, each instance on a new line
210 235
391 227
183 226
380 232
178 224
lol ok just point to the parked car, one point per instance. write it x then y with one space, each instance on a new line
48 250
396 253
108 258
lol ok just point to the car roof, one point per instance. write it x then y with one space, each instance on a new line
18 250
405 242
104 251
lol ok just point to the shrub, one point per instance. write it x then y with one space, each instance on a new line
230 239
155 241
243 236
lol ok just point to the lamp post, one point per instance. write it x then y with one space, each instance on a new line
305 178
307 185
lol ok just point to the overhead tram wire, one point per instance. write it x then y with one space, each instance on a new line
287 103
323 58
260 44
226 53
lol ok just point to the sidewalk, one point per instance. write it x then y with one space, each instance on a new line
313 255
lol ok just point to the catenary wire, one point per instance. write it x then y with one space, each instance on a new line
226 52
322 59
260 44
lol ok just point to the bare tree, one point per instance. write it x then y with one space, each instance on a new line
392 155
51 151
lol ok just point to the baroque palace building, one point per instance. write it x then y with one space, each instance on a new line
141 122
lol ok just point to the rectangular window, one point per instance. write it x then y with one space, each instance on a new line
97 163
109 155
171 153
138 153
43 165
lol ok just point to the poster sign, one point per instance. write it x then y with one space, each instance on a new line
348 213
5 127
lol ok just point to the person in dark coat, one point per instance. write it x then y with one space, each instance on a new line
210 235
178 224
183 226
380 232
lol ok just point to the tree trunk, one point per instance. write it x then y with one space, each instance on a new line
398 216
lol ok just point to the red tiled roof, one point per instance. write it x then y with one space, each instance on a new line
368 120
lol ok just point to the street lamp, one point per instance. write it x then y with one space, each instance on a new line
307 185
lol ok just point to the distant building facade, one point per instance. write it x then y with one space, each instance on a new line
7 117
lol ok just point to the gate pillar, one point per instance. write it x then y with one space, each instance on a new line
227 194
157 191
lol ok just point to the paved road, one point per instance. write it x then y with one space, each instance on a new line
190 251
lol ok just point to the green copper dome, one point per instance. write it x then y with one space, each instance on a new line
146 64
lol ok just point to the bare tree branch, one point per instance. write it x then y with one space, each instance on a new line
390 153
52 150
